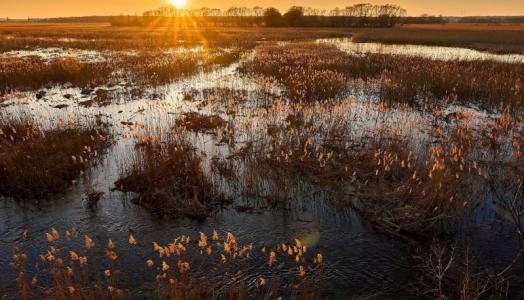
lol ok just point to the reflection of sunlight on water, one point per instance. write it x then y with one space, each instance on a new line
92 56
48 54
430 52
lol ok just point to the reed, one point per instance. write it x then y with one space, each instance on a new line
38 162
312 72
500 39
168 178
69 271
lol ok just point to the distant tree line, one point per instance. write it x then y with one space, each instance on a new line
359 15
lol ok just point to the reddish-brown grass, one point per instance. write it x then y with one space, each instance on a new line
169 179
37 162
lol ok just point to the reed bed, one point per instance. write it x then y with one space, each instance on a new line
405 183
36 163
105 37
156 68
72 269
145 69
32 73
309 72
501 39
167 175
313 72
390 136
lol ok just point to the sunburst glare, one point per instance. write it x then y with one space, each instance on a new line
178 3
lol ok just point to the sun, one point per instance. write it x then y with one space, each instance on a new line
178 3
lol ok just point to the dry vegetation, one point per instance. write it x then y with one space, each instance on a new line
498 38
25 36
32 73
166 174
36 162
495 39
403 186
145 69
196 122
68 272
313 72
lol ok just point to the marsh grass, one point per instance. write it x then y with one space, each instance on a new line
313 72
167 176
25 36
37 162
378 133
501 39
139 71
404 183
211 266
32 73
193 121
155 68
309 72
221 59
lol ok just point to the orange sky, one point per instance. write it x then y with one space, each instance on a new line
54 8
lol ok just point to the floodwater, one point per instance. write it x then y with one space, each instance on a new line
359 261
429 52
48 54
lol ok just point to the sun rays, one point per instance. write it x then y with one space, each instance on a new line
178 3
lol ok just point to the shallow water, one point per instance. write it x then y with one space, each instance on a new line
91 56
49 54
359 260
429 52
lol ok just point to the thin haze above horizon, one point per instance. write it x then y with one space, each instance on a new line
63 8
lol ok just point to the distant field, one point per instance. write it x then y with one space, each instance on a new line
495 38
469 26
99 36
499 38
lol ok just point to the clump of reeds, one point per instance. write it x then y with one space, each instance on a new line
36 162
310 72
32 73
143 69
167 175
156 67
316 71
404 182
222 58
193 121
203 267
